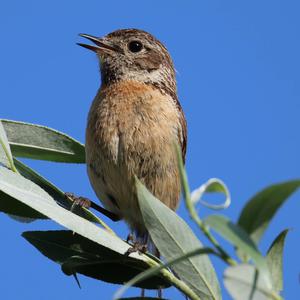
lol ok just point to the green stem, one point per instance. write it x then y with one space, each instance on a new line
193 213
103 224
169 276
73 206
276 296
180 285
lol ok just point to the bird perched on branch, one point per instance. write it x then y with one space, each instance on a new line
133 123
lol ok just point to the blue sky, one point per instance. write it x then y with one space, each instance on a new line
239 84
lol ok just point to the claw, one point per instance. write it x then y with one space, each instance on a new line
78 201
136 247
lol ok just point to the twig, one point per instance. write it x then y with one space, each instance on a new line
193 213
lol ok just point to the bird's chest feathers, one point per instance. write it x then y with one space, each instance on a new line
132 119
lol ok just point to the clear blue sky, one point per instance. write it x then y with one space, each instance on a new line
239 84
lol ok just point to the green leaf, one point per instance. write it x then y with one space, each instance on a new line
244 282
259 211
5 153
239 238
77 254
40 142
115 271
213 185
29 193
53 191
173 237
13 207
274 260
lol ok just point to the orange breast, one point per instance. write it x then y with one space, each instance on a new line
131 131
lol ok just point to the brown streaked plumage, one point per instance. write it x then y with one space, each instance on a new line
133 123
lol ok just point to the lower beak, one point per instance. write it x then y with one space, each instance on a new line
100 44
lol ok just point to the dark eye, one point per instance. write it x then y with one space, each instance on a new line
135 46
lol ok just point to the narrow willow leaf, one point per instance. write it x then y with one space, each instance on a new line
213 185
41 181
259 211
173 237
40 142
32 195
53 191
6 158
274 260
13 207
111 270
77 254
156 269
239 238
244 282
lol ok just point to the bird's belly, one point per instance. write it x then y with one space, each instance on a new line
112 168
123 143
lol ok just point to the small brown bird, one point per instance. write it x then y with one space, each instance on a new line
133 123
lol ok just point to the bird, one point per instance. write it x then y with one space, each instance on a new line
132 125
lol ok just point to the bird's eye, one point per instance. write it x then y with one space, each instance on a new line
135 46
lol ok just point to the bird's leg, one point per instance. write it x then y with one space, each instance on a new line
159 293
140 244
130 238
86 203
156 253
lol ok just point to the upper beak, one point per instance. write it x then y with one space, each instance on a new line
100 44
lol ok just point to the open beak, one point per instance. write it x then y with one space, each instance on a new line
100 46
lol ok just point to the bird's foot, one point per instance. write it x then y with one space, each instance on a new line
159 293
78 201
136 247
86 203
